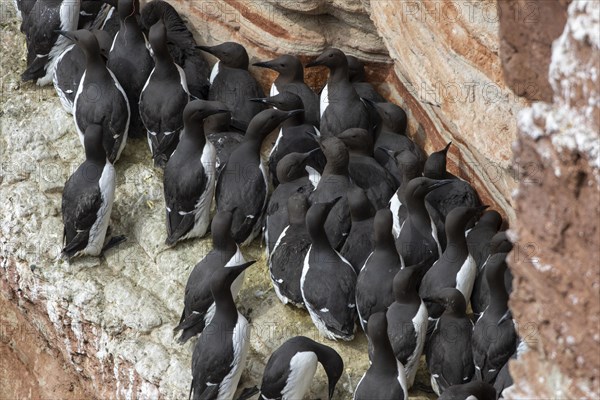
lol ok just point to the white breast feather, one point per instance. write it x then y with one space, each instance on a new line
98 229
273 91
202 207
394 206
303 366
465 278
214 72
419 321
240 337
324 100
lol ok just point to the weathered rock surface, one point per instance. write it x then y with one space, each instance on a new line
555 263
107 323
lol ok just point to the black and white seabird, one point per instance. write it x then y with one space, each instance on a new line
357 75
189 179
417 241
442 200
474 390
335 182
360 241
328 280
480 298
287 258
494 335
364 170
232 84
407 321
341 107
456 267
295 135
41 24
448 351
391 139
291 368
409 169
386 378
199 306
87 199
70 67
220 353
130 60
374 291
479 241
100 99
293 178
182 46
242 187
225 139
291 79
163 98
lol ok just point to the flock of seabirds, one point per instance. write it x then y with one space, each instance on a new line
359 224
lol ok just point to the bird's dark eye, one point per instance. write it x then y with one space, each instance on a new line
331 55
282 65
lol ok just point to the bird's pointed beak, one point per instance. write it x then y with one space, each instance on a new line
207 49
66 34
309 153
314 63
440 183
260 100
264 64
292 113
447 147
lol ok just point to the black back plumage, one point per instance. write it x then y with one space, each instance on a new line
41 22
360 240
214 354
130 60
182 45
293 179
189 175
198 297
295 135
291 80
374 284
345 110
456 267
442 200
448 354
242 185
220 133
494 335
335 182
277 370
357 75
416 242
364 170
471 390
163 99
111 108
407 321
328 280
287 258
391 139
233 84
82 198
70 67
385 378
478 240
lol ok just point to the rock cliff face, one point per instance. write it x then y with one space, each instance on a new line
463 70
439 59
558 207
